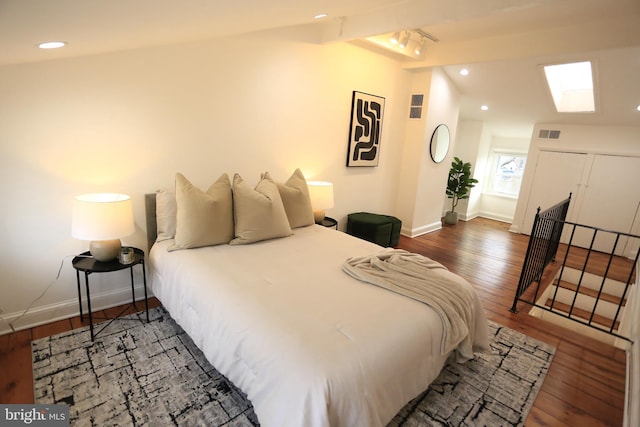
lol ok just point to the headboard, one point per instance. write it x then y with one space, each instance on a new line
150 214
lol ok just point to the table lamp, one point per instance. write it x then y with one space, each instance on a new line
321 194
102 218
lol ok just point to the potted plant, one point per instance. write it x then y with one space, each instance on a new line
458 188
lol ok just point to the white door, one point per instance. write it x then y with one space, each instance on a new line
611 200
556 175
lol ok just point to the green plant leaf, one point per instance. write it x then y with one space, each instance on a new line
460 181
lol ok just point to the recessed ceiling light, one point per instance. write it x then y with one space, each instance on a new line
638 108
320 16
51 45
464 72
484 107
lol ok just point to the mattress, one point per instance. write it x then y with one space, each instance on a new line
308 344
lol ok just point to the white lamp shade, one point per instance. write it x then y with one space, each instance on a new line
102 216
321 194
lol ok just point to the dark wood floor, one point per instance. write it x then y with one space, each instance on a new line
16 377
584 387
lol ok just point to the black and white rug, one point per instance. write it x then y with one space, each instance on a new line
152 374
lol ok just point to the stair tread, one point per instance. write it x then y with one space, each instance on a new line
584 314
591 292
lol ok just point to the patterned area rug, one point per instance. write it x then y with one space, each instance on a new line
152 374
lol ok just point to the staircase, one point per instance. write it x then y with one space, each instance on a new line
576 286
595 302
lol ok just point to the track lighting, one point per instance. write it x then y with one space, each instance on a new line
405 39
420 46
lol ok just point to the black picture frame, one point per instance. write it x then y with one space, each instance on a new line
365 129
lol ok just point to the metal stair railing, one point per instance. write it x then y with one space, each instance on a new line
543 248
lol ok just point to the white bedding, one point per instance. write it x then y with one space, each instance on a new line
308 344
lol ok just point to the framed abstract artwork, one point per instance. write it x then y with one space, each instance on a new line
367 112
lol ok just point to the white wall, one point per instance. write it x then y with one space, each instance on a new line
413 147
471 146
476 142
632 409
127 121
423 182
497 206
613 140
444 108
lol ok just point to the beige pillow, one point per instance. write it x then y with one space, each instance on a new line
166 208
259 213
203 219
296 200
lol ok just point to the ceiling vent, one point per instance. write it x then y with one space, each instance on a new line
548 134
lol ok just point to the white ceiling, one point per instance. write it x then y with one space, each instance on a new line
502 42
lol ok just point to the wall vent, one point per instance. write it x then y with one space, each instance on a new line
415 111
548 134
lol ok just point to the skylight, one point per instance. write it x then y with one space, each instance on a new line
571 87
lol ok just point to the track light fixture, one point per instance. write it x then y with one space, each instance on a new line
405 39
420 46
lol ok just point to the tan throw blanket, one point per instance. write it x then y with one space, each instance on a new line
429 282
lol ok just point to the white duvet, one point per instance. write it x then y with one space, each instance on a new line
308 344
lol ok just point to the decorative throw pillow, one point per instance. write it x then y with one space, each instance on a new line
165 214
259 213
203 219
296 200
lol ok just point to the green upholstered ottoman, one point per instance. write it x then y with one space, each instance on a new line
383 230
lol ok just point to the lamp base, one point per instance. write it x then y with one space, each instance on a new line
318 216
105 250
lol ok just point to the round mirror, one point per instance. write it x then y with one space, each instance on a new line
439 143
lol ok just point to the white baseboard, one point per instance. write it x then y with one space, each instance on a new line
631 410
415 232
469 216
496 217
514 229
69 308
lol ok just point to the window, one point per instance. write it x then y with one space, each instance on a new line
506 173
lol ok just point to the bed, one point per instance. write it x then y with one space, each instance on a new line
309 344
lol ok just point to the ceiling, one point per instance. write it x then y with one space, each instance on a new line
502 42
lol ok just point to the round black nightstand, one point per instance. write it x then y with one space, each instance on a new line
329 223
89 265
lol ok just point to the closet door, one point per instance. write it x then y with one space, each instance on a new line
611 200
556 175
